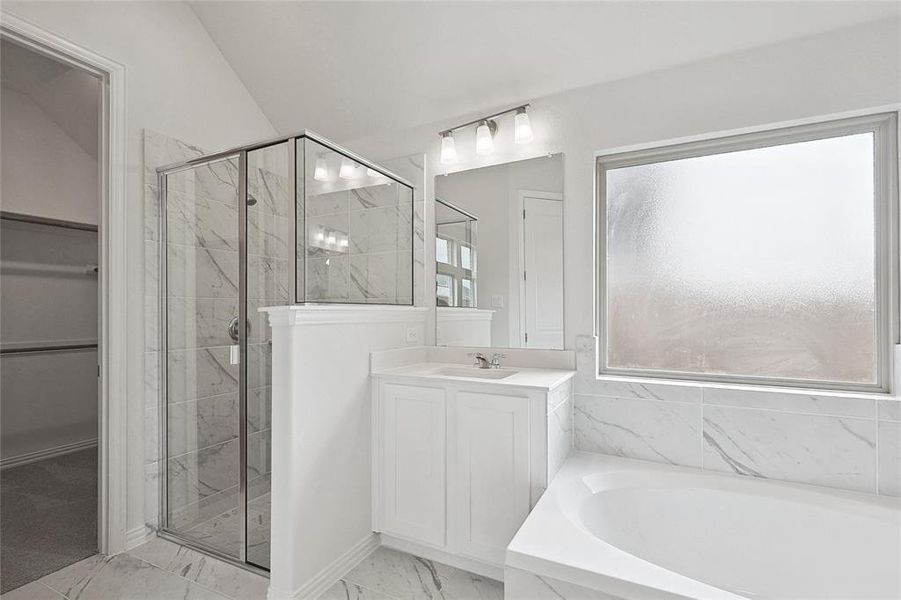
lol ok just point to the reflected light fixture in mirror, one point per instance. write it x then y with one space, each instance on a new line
484 139
522 127
348 169
448 149
320 172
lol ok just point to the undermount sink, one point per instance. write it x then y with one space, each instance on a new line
476 372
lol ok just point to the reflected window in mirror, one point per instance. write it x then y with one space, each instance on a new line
455 256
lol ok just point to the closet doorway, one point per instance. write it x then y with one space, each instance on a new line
52 189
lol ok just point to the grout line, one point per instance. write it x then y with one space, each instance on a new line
60 594
876 491
180 576
701 430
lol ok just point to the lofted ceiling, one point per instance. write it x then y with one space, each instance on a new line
354 69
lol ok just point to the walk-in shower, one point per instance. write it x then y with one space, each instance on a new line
295 220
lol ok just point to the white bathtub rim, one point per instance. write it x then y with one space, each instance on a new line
578 557
554 543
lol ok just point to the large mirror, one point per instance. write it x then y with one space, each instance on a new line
499 255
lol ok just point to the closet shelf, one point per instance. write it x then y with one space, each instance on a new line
30 347
23 218
33 267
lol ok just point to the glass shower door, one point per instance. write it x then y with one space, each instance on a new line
202 466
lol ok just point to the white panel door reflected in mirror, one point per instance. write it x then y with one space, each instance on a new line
499 255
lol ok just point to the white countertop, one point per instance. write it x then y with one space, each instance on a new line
523 377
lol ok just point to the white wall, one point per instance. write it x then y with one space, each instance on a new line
844 70
44 171
321 434
178 83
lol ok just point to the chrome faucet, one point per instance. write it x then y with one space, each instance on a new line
481 361
496 360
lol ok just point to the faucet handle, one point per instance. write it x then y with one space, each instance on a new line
496 359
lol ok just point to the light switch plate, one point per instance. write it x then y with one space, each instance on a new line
497 301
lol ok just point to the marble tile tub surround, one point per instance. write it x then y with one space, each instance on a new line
847 441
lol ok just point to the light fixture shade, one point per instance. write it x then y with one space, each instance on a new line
484 142
448 149
522 127
320 172
348 169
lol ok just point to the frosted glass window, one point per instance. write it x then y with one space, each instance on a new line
752 263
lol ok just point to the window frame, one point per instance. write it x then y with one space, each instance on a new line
884 127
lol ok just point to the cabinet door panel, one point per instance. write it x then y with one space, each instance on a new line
491 472
413 462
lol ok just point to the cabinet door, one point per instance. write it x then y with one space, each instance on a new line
490 496
413 447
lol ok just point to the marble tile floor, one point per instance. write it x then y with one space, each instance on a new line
162 570
223 531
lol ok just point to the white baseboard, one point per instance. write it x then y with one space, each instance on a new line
24 459
472 565
330 575
137 536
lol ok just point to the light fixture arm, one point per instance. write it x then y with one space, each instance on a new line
488 118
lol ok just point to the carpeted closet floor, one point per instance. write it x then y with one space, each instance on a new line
48 516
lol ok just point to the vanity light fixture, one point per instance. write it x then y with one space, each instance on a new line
448 149
320 171
348 169
486 129
522 127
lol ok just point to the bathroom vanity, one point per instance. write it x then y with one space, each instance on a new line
461 454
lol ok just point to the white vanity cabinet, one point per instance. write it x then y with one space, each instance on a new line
489 479
412 460
457 465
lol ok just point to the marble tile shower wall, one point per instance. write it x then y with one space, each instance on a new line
159 150
844 441
412 168
376 266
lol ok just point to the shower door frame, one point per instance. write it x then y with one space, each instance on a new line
241 153
164 530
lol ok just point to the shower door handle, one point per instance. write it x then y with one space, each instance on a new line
233 331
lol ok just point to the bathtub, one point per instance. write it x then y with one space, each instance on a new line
611 528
